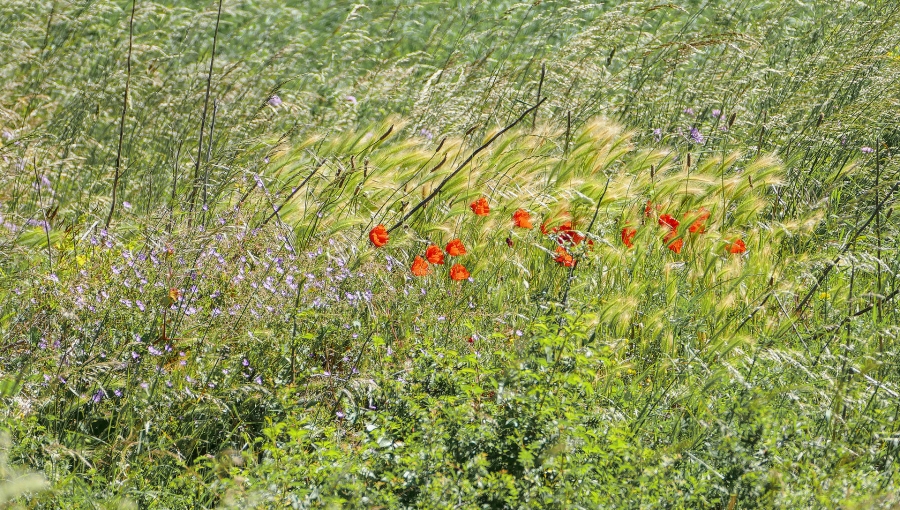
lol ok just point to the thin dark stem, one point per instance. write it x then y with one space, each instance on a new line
878 223
46 225
49 26
209 145
875 213
290 196
212 61
112 204
540 86
463 165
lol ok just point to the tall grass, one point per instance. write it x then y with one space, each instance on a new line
193 315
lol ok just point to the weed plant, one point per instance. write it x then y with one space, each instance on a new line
449 254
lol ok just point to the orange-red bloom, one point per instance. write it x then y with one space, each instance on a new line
699 225
737 246
459 272
434 254
649 209
564 258
628 234
566 233
455 248
480 207
672 223
561 228
571 236
419 267
522 219
677 245
667 220
379 236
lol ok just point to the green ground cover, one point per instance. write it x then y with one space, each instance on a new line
437 254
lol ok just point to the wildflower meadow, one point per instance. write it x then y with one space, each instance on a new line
449 254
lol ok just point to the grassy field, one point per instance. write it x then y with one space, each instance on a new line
449 254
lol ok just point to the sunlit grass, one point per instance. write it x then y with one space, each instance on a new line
235 338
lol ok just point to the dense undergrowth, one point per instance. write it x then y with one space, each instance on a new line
633 255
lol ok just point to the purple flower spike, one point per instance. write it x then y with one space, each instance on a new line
274 100
867 150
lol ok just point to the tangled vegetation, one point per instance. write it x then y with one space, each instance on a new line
449 254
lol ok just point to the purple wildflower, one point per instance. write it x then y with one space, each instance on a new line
697 136
867 150
274 100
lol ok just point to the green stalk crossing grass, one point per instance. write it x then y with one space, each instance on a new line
702 311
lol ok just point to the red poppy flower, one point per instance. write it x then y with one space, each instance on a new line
699 225
419 267
571 236
560 228
434 254
455 248
480 207
677 245
459 272
522 219
628 234
667 220
379 236
564 258
737 246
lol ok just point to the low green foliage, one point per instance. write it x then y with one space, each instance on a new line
701 314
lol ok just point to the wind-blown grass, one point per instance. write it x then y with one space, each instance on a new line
234 339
